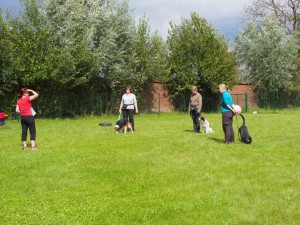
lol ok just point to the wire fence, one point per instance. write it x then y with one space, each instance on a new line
70 105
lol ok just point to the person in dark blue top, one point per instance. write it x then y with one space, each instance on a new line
228 112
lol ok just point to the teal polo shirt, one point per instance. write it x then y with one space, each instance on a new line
226 100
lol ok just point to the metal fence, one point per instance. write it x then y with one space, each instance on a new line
97 103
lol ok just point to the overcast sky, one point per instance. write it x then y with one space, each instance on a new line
225 15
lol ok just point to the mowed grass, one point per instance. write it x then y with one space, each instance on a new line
161 174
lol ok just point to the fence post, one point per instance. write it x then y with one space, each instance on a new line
97 104
246 102
60 116
100 105
159 103
273 100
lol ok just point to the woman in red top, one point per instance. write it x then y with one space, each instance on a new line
27 118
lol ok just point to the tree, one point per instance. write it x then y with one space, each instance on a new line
268 52
151 62
198 56
7 79
285 11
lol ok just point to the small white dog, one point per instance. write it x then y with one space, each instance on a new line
205 126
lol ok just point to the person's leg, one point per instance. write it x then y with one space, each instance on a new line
24 126
32 130
125 114
196 122
131 120
227 126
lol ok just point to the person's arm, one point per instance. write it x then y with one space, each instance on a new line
199 103
121 105
34 95
17 109
228 100
231 108
135 104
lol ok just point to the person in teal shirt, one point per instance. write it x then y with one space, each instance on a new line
228 112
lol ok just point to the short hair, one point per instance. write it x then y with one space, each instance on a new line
128 88
194 88
223 86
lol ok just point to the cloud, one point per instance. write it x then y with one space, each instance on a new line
225 15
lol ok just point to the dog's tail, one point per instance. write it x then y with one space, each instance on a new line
243 119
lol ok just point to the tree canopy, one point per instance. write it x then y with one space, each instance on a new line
199 56
268 52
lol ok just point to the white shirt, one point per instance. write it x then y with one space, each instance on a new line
129 99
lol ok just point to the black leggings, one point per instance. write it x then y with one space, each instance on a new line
28 122
129 113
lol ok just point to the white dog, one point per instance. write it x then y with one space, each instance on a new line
205 126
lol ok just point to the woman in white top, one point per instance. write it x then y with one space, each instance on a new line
128 106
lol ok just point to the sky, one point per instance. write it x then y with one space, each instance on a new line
226 16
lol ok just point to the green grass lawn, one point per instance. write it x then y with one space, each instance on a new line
161 174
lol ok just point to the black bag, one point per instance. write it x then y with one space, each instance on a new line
124 106
243 133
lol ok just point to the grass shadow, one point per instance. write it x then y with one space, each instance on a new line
188 131
218 140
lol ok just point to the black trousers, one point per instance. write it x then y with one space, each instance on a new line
128 115
227 126
28 122
196 120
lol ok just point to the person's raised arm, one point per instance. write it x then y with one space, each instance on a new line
34 95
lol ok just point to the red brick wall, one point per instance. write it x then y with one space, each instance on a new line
160 98
238 95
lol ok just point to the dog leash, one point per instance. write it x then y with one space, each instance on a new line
119 116
237 125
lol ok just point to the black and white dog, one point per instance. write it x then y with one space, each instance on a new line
123 124
205 126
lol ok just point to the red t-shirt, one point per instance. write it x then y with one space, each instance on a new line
24 104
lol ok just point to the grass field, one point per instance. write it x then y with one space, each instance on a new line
161 174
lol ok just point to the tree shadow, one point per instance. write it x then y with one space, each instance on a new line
216 139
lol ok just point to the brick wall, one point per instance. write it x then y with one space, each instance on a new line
159 100
238 94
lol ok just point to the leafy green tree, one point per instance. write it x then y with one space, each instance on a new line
150 53
268 53
7 79
199 56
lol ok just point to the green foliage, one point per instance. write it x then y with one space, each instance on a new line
268 52
8 78
199 56
86 174
150 54
296 68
